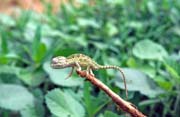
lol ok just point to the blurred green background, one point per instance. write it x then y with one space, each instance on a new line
140 36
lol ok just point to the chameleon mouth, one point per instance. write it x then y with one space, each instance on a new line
57 65
53 65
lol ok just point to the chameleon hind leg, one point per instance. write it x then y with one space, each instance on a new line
89 71
70 74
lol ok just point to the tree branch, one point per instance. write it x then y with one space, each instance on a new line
124 105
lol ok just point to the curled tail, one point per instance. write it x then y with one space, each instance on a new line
119 69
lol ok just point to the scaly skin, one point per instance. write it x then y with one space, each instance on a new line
80 61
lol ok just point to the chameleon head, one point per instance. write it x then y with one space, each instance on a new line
59 62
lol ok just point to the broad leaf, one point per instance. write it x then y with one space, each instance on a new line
9 78
14 97
62 104
32 78
138 81
147 49
8 74
33 111
110 114
9 69
58 76
148 70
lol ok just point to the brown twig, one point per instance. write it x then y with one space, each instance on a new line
124 105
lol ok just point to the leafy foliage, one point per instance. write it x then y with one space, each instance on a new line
14 97
140 36
63 104
138 81
58 77
147 49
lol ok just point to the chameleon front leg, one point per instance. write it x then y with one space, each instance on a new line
70 74
78 66
88 70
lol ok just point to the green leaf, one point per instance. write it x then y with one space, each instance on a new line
62 104
138 81
135 24
23 20
110 114
80 40
166 85
100 45
176 30
33 111
58 76
131 62
3 42
87 99
87 22
148 70
11 56
9 69
7 20
147 49
9 78
150 102
173 67
111 29
152 7
30 30
36 42
14 97
40 52
32 78
3 60
116 2
8 74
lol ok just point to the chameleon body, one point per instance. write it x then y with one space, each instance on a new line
80 61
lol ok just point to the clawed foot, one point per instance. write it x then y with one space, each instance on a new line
89 73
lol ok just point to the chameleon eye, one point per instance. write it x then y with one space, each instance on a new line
55 60
58 60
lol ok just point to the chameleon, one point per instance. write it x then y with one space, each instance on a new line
80 61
